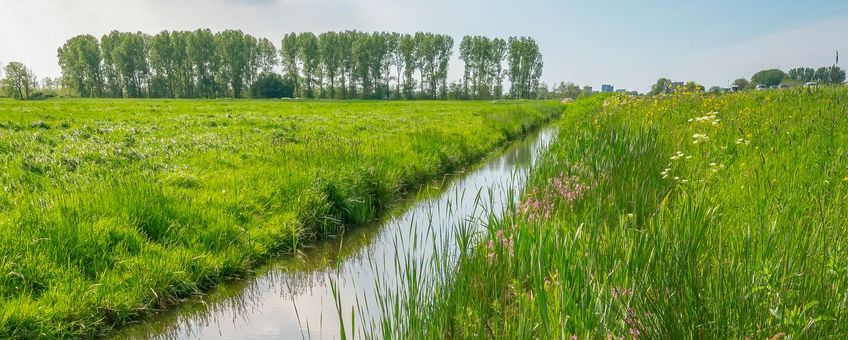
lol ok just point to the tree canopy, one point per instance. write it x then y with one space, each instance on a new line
525 67
768 77
662 86
336 65
830 75
802 74
19 81
271 85
742 83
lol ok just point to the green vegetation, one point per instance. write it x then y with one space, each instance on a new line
113 208
484 72
824 75
830 75
769 77
271 85
19 81
332 65
674 217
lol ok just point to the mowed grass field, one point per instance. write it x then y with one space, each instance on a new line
673 217
112 208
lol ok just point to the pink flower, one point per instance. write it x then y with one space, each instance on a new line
538 205
506 243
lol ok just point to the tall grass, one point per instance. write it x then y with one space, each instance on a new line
683 216
111 209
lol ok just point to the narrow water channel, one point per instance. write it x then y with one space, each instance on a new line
292 298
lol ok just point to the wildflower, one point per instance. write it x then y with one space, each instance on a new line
491 254
710 117
621 292
700 138
778 336
634 332
677 155
664 173
742 141
633 322
506 243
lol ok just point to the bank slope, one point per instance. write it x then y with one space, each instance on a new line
114 208
682 216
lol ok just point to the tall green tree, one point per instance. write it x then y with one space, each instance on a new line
662 86
330 59
290 53
310 54
742 83
483 59
183 65
433 53
525 67
80 61
234 52
19 81
407 56
113 85
830 75
266 56
392 42
444 51
129 55
378 64
768 77
347 59
802 74
163 64
187 64
499 53
466 51
204 58
361 72
424 59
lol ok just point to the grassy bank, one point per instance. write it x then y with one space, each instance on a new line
113 208
684 216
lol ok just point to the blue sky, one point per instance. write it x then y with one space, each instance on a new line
628 44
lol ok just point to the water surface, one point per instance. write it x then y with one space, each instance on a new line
292 297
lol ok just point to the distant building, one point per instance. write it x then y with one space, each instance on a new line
621 91
587 89
634 93
607 88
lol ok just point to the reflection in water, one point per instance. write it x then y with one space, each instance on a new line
292 297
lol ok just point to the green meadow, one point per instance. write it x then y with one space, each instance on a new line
112 209
664 217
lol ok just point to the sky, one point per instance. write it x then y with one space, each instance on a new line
628 44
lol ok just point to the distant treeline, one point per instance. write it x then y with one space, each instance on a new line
338 65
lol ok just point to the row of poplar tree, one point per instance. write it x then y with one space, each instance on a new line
339 65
